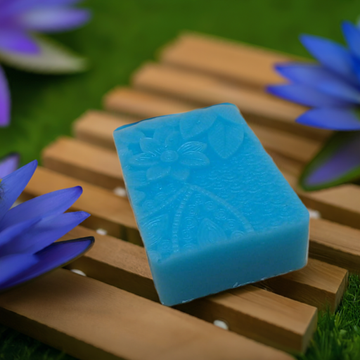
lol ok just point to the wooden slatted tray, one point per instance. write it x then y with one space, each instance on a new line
114 312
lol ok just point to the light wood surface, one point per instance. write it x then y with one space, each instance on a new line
314 286
234 61
134 102
124 265
95 126
93 164
95 173
92 320
327 282
108 211
335 243
102 321
204 90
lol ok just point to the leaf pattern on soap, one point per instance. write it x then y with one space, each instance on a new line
225 138
210 233
179 192
166 154
196 124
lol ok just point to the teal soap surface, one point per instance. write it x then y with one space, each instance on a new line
213 210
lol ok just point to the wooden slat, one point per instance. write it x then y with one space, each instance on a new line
108 211
234 61
97 165
328 282
203 90
335 243
92 164
318 284
140 105
95 126
340 204
340 254
250 311
92 320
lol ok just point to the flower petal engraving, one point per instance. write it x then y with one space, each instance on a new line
225 140
137 178
144 159
194 159
196 124
155 229
149 145
192 146
209 232
173 141
157 172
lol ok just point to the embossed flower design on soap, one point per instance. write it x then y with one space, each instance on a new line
166 154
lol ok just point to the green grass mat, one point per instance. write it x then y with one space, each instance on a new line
122 35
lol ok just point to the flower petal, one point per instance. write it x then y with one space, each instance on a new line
305 95
43 233
12 186
331 54
192 146
54 256
149 145
11 266
9 164
194 159
180 173
173 141
137 179
144 159
318 77
4 100
336 163
331 118
15 40
53 203
352 36
12 232
158 172
53 19
51 58
13 7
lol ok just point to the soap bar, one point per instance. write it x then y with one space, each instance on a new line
213 210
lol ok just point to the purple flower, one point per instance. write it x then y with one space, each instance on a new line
20 20
28 230
8 164
332 88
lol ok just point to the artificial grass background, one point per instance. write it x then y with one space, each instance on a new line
121 36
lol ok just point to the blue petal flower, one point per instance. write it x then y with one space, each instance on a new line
53 19
352 36
21 47
12 265
337 162
319 78
332 55
331 118
4 100
12 186
28 231
306 95
332 87
43 233
53 203
17 40
30 266
9 164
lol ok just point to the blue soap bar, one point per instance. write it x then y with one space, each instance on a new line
213 210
